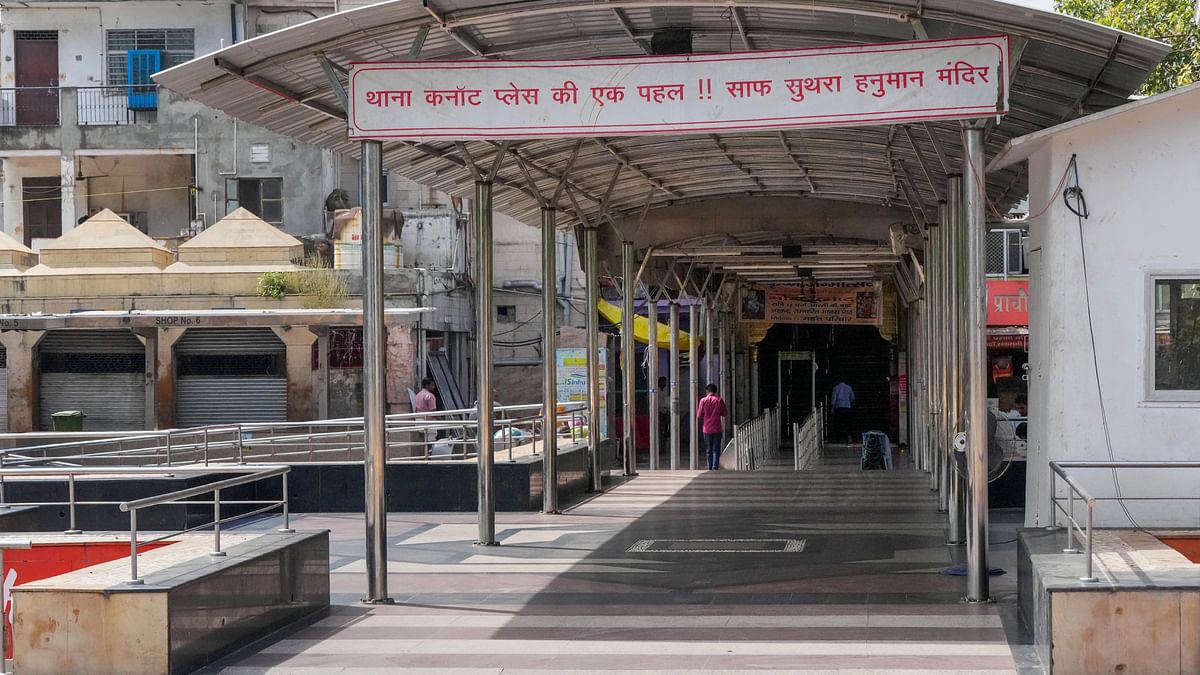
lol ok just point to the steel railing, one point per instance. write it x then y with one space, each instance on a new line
1083 532
323 440
94 106
756 440
251 474
808 439
116 105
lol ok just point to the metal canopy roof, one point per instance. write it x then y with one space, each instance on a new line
1062 68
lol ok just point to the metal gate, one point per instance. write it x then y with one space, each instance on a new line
101 373
228 376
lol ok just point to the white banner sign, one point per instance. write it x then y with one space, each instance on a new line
836 86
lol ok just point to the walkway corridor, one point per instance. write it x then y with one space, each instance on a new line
830 570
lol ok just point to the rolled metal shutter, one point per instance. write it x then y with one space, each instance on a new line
229 376
3 390
101 373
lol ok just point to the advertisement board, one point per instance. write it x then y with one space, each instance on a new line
572 380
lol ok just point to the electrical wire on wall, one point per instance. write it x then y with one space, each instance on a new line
1076 203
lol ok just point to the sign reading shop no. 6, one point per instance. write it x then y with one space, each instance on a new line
837 86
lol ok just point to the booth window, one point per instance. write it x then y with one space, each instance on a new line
1176 335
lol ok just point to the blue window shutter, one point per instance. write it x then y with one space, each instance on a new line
142 65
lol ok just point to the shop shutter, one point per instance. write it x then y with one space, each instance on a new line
99 373
229 376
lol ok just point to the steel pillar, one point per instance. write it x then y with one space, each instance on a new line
935 358
956 409
673 387
975 340
945 363
628 360
590 244
693 386
652 392
549 363
485 314
374 376
722 369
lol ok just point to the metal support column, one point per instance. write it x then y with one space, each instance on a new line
722 370
628 360
933 262
693 386
374 349
957 399
549 363
652 392
975 339
590 244
946 415
673 387
485 314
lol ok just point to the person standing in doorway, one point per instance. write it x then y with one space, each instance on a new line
709 412
427 403
841 403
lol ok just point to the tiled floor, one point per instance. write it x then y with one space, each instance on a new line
829 570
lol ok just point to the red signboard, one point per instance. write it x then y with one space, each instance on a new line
1008 302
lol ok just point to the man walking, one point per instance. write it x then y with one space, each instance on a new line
710 411
842 403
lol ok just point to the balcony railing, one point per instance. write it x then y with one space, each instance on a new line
29 107
92 106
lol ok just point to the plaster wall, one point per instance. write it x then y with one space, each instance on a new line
1132 167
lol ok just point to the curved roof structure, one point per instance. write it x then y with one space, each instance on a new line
1061 68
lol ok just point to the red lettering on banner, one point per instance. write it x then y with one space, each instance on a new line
514 95
880 81
748 88
657 93
456 97
813 85
383 98
960 72
610 94
564 94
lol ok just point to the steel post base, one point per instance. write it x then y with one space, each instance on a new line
384 601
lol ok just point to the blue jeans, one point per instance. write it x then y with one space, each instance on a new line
712 447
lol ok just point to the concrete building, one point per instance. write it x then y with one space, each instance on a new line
108 322
1114 304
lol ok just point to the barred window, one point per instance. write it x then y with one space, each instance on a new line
178 45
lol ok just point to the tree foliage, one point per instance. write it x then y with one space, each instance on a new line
1171 21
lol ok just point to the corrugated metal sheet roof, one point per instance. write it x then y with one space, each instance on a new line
1064 68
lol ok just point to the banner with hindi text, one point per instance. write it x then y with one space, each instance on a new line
848 303
957 78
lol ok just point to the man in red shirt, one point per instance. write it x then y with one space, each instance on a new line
427 403
709 412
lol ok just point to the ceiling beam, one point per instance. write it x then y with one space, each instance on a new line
627 27
787 148
736 164
627 163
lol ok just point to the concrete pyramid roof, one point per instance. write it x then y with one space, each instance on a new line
105 230
7 243
241 229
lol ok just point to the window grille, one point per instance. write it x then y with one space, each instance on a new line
178 45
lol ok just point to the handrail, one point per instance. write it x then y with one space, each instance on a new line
808 438
196 443
1084 532
256 473
755 439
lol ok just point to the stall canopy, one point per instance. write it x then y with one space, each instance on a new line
641 328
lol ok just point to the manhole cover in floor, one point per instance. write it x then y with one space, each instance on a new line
717 546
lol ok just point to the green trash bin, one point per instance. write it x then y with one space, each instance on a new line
67 420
